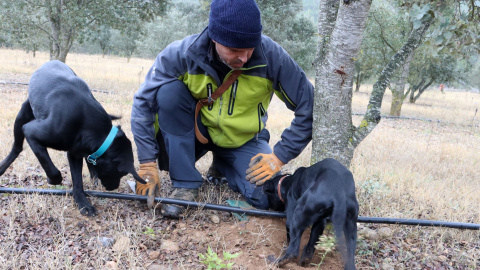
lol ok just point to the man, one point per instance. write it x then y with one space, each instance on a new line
234 124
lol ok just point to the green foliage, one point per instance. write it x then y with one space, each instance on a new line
57 24
373 189
168 28
212 261
386 30
149 231
447 49
283 21
456 25
325 245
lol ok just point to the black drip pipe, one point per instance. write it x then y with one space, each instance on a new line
251 212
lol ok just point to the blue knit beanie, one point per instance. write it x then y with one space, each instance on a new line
235 23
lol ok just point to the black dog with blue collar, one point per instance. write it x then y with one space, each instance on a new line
61 113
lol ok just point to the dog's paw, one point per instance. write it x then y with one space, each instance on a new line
306 257
280 262
216 180
55 179
88 211
304 262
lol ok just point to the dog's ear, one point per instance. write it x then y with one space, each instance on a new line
268 187
137 177
128 167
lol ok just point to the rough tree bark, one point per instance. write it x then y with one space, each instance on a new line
372 115
398 91
62 35
340 39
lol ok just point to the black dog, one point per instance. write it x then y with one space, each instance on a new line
61 113
309 197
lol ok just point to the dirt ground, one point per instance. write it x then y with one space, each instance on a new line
156 243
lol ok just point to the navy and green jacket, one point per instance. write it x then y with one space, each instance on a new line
241 112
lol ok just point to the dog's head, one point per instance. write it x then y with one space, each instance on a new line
270 189
115 163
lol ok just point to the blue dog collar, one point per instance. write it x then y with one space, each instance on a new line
108 141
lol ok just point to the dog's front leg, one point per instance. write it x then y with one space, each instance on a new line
81 200
37 137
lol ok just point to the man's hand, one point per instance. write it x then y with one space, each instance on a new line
262 167
149 172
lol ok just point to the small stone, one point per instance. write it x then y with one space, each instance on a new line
215 219
169 245
442 258
369 234
385 233
105 241
387 266
111 265
122 244
153 255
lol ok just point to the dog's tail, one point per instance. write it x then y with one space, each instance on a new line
24 116
343 223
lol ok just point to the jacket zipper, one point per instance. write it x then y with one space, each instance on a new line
233 95
261 112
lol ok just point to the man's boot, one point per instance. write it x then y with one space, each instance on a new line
174 211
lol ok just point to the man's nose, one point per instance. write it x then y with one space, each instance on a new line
243 56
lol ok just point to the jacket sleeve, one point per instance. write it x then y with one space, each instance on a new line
166 68
294 88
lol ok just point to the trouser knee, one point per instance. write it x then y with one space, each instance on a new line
257 198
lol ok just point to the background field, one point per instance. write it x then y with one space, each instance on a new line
406 168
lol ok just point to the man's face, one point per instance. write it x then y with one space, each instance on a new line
232 57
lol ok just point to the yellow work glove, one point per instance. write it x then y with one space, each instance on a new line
149 172
262 167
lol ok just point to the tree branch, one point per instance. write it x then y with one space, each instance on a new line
382 36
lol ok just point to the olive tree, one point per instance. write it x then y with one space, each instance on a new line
61 22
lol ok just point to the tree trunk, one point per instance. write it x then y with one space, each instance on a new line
332 120
357 82
62 36
414 90
326 21
398 90
372 116
422 89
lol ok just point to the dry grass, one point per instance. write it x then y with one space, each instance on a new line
403 169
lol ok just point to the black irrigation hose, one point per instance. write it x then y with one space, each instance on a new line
134 197
20 83
251 212
402 117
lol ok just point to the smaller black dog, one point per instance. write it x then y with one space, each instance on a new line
61 113
309 197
